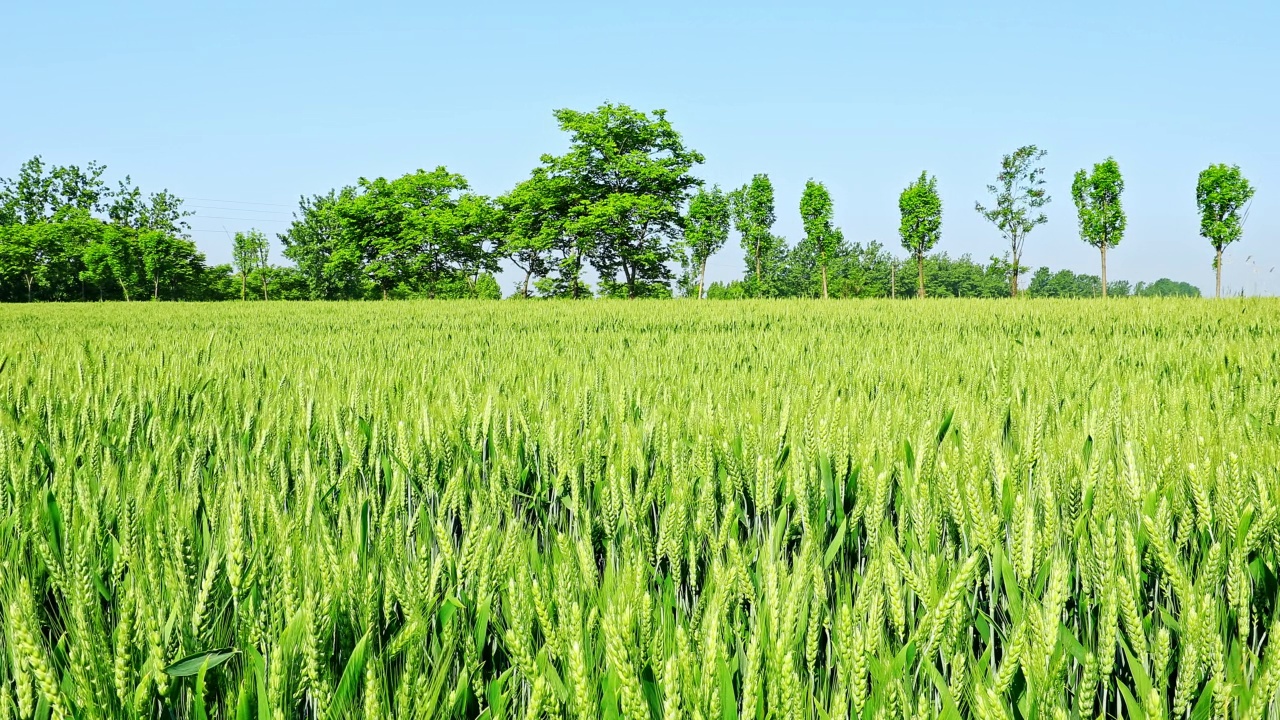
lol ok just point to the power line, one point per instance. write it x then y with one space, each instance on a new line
269 212
237 202
207 230
223 217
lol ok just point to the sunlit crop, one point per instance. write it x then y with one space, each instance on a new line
640 510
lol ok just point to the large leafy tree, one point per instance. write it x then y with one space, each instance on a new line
1221 193
1018 196
124 258
706 229
629 174
921 228
326 254
819 231
167 260
1098 208
421 230
753 217
538 234
19 256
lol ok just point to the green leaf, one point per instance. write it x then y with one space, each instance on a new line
946 425
193 664
345 696
834 548
198 699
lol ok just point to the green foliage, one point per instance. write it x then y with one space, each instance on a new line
779 509
628 175
753 213
823 239
540 236
420 230
65 236
1164 287
921 228
1098 209
1221 192
247 250
1018 196
329 257
706 231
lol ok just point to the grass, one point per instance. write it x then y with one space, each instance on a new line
630 510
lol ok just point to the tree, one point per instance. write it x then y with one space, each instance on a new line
630 175
1220 194
97 264
166 259
1097 199
421 230
753 218
706 229
164 212
319 243
538 237
247 250
29 198
1019 194
18 255
820 234
1164 287
123 257
921 228
264 263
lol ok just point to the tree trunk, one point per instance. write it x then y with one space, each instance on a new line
29 280
920 268
155 294
824 282
124 289
758 278
1104 270
524 292
244 282
384 292
264 285
702 279
1217 293
893 280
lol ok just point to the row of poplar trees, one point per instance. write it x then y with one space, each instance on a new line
622 201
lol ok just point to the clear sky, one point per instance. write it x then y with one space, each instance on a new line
258 103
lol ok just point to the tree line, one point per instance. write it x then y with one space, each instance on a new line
622 202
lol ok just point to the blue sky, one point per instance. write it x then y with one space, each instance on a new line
258 103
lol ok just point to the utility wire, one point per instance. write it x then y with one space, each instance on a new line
231 209
237 202
222 217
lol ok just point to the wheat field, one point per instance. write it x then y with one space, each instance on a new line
786 509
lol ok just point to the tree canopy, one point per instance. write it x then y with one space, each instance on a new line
619 212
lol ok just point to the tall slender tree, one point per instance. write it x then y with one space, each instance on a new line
1220 194
706 229
1101 217
1019 195
753 218
921 227
264 263
823 236
246 254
